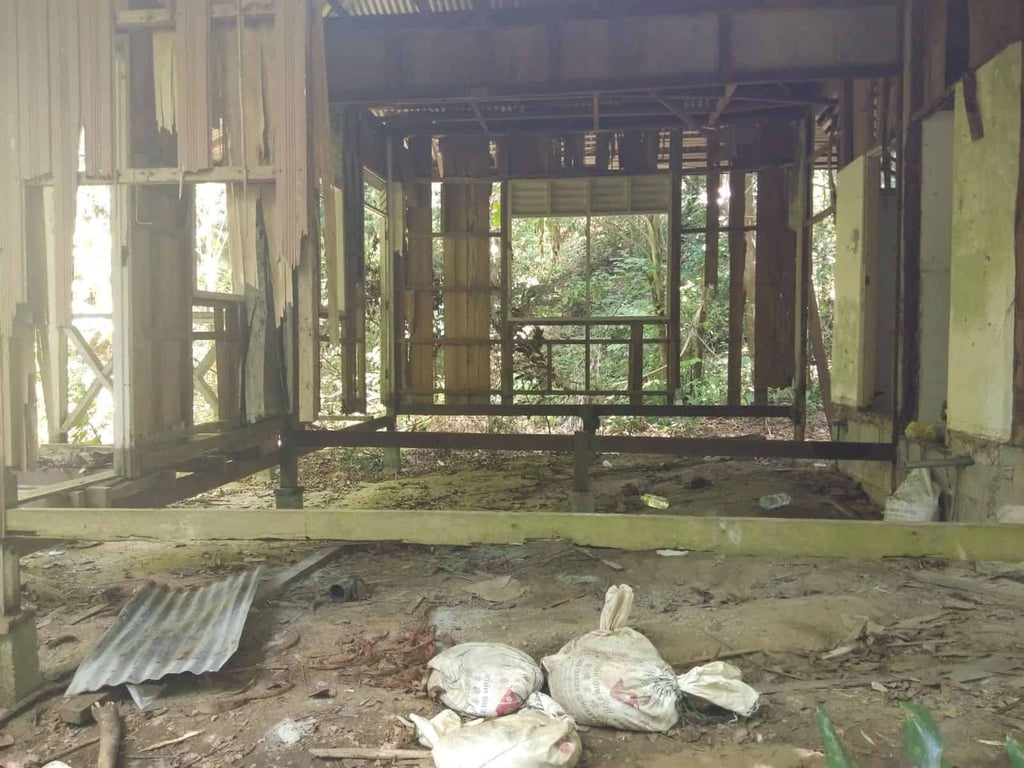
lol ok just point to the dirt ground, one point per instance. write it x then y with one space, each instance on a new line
857 637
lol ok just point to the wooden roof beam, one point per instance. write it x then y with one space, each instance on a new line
380 65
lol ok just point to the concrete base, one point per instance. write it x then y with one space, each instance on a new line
581 502
392 461
289 498
19 658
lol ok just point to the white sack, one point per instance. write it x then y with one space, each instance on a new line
483 679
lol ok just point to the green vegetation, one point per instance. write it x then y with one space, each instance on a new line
922 741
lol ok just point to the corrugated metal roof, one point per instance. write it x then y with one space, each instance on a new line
164 631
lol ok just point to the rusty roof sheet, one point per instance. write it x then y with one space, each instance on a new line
164 631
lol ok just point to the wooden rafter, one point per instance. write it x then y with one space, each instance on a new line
723 104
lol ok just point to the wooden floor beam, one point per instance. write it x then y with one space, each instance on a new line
769 537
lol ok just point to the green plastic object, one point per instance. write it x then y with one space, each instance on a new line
835 751
922 740
1015 751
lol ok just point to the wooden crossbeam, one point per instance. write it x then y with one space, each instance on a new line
770 537
89 355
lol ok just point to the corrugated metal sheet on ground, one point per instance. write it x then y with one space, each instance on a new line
164 631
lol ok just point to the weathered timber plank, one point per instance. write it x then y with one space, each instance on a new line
747 536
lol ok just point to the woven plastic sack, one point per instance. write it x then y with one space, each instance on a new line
614 677
483 679
915 501
540 735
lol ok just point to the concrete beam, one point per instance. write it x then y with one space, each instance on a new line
734 535
382 64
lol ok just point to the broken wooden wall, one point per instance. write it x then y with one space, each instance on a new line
418 363
465 223
165 99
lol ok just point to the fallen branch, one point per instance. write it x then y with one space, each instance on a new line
355 753
171 742
110 734
70 750
223 704
52 689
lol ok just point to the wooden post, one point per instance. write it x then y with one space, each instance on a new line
353 266
907 349
675 250
19 658
714 181
418 370
126 461
507 346
737 292
582 498
636 363
392 261
800 214
52 343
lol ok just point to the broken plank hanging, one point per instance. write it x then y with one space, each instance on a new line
34 94
192 84
65 111
11 205
323 153
289 129
97 80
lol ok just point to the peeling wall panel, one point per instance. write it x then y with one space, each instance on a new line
289 130
982 275
33 24
192 84
65 110
11 205
97 80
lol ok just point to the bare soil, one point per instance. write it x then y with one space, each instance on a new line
900 637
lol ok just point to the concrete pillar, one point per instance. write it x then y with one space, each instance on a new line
392 461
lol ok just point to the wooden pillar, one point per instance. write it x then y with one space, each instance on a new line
507 347
19 656
465 222
800 215
582 498
675 249
711 236
392 263
353 266
907 349
418 373
636 363
737 292
47 305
